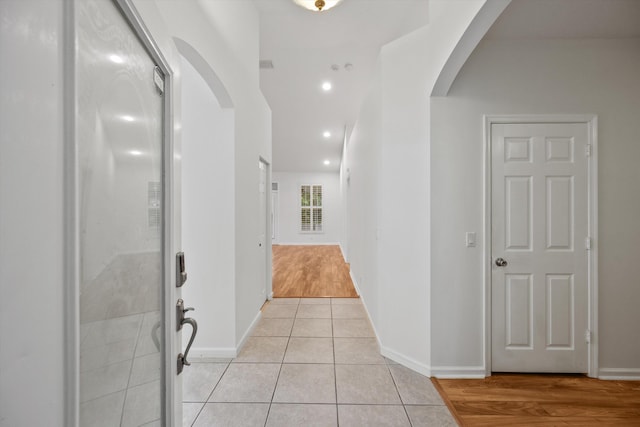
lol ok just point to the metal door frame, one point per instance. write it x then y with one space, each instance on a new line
72 215
591 120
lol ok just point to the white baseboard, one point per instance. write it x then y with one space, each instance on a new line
355 285
630 374
309 244
344 256
249 331
204 354
406 361
459 372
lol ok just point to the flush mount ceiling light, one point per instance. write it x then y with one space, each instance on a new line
327 162
326 86
317 5
326 134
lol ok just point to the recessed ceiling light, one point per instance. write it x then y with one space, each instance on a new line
326 86
135 153
116 58
127 118
327 162
327 134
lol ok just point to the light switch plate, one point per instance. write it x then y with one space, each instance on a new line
471 239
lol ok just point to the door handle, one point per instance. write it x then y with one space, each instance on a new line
182 358
180 321
501 262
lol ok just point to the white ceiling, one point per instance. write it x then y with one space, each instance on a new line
303 45
550 19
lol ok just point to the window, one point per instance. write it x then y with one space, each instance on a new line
311 208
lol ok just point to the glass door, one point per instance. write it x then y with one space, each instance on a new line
119 109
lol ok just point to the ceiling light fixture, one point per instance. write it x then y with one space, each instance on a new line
327 162
317 5
327 134
135 153
326 86
127 118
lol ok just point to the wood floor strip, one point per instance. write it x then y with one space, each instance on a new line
550 400
317 271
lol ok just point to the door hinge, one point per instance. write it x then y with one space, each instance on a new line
587 336
587 243
587 150
158 79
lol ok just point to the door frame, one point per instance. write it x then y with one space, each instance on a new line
72 217
268 281
591 120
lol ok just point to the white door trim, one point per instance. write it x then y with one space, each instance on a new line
591 121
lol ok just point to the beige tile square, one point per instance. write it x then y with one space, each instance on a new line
295 301
142 405
290 415
372 416
365 384
314 311
312 328
105 411
262 349
340 301
309 350
428 416
199 380
145 369
233 415
352 328
306 383
415 389
282 311
267 327
348 311
100 382
189 413
247 382
357 351
315 301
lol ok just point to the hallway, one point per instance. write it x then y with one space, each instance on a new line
310 362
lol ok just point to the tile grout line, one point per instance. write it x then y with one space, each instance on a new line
133 358
335 373
275 387
210 394
404 408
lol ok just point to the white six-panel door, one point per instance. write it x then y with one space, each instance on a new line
539 228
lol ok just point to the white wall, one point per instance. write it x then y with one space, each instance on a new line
539 77
200 25
208 215
289 208
32 333
389 193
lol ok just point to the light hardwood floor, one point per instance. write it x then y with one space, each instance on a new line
541 400
311 272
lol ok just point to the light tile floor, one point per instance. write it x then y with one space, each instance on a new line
310 362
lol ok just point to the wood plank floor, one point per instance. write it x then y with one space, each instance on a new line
311 272
544 400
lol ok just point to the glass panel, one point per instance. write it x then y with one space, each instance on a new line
305 195
317 195
305 219
119 128
317 219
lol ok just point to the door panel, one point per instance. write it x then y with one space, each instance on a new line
120 145
539 223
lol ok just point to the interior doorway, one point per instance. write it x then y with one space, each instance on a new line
540 245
